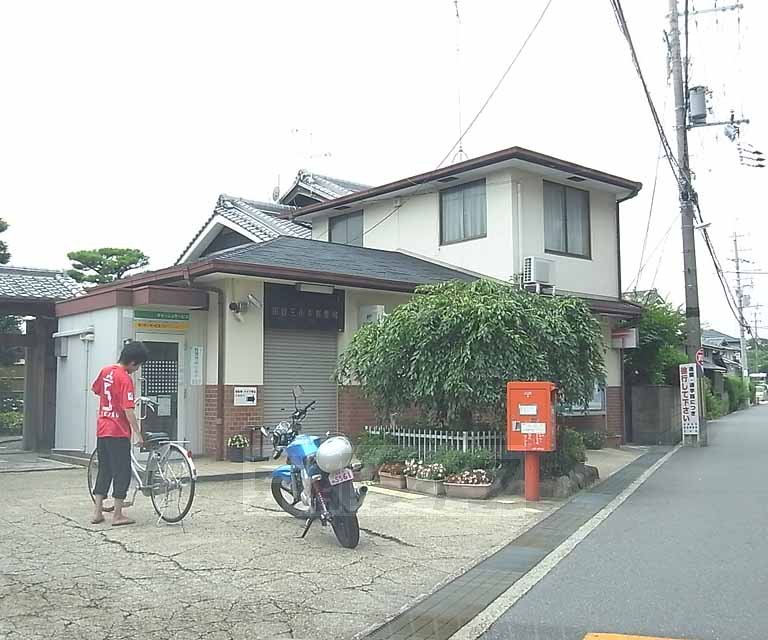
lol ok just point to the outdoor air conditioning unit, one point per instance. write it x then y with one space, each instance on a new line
538 275
371 313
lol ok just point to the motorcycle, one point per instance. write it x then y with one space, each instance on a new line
316 484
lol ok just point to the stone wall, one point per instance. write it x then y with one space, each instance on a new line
655 414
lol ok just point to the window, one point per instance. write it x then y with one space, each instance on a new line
347 229
566 220
463 212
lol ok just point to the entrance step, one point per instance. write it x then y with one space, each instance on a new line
70 457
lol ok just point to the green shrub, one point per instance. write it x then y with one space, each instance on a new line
11 422
457 461
738 392
570 452
593 439
376 450
715 406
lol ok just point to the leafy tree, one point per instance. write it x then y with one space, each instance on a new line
450 350
8 324
100 266
661 342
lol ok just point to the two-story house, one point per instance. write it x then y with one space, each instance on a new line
255 307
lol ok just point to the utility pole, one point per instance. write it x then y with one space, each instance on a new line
740 302
692 313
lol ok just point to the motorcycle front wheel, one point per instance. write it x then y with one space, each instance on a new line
281 492
347 530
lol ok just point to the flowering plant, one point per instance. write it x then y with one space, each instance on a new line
393 468
412 467
237 441
433 471
476 476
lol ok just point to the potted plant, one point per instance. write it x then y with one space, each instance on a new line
474 484
236 445
392 475
425 478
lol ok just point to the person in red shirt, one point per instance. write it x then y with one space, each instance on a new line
116 421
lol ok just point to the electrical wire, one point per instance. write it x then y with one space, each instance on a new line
648 223
424 186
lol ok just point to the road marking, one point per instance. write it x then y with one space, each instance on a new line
619 636
480 623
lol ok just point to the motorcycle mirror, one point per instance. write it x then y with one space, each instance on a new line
298 391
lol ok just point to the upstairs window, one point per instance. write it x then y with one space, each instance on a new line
566 221
463 212
347 229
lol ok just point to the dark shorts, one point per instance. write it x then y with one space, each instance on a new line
114 467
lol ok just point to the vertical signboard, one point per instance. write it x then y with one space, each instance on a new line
196 365
690 413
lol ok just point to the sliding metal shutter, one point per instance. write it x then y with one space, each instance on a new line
307 358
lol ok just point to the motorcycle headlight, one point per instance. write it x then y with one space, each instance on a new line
334 454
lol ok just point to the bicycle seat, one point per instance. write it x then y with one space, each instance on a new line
155 438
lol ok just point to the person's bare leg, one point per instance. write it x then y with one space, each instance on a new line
119 518
98 514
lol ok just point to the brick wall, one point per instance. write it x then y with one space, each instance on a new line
236 419
355 411
614 402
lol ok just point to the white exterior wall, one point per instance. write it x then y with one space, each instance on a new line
613 363
355 299
244 358
515 229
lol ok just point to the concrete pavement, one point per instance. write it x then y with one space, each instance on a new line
686 556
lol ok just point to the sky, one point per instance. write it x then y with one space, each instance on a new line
121 123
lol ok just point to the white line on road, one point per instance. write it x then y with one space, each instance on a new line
480 623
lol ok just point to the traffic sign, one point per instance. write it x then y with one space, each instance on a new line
700 357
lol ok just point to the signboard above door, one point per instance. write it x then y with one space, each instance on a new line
287 308
164 321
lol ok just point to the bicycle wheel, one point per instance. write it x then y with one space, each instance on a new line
93 471
172 485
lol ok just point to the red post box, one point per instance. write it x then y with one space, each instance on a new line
531 426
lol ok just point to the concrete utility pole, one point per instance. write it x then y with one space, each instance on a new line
740 301
692 313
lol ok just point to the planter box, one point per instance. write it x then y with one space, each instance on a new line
235 455
430 487
391 481
469 491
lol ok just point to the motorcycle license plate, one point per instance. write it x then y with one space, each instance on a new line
344 475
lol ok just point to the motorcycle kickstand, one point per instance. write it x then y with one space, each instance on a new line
306 527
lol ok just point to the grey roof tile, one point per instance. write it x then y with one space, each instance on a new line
324 187
260 220
39 284
342 260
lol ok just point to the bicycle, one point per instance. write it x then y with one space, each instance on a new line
169 477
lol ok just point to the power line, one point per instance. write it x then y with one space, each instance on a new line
650 214
421 188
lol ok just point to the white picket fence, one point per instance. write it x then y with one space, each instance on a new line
426 441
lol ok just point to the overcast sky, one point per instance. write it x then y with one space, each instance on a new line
121 123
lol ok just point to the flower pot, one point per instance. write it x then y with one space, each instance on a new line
235 455
430 487
468 491
391 481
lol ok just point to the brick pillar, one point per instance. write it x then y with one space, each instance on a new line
614 403
236 419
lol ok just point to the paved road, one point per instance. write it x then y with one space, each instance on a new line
686 556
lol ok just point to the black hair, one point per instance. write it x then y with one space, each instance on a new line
134 353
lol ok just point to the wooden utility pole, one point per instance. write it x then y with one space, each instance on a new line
686 195
740 302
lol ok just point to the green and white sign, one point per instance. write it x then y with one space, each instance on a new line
170 321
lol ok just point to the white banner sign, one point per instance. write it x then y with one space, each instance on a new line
245 396
689 399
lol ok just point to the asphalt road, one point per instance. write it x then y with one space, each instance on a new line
686 556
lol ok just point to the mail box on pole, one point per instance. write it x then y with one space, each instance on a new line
531 416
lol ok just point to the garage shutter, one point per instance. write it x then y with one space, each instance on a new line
307 358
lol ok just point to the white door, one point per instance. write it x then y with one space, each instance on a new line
162 379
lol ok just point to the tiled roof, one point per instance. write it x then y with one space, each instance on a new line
340 260
36 284
716 337
324 187
258 220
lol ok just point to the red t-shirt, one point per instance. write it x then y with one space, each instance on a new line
114 387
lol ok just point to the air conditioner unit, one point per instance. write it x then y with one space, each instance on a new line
538 274
371 314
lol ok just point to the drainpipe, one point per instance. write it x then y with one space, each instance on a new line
220 360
